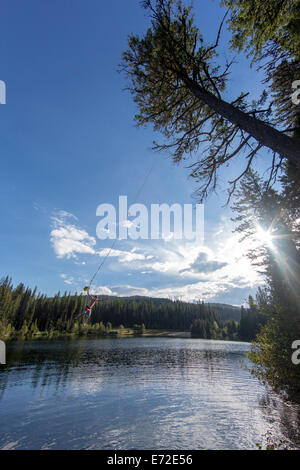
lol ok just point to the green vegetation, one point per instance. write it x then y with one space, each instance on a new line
278 303
178 83
252 320
26 314
256 24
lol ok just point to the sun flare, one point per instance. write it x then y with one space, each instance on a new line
264 237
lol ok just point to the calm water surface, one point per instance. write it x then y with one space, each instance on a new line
136 393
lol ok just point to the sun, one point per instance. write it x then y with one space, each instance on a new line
264 237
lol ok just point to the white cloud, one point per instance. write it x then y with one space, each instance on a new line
67 239
67 280
65 214
189 271
103 290
203 264
124 256
207 291
181 269
127 290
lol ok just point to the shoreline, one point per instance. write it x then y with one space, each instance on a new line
114 333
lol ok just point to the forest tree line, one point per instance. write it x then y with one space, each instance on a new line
26 313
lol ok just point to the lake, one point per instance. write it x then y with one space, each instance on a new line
136 393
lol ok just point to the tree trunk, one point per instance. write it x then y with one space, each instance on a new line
266 135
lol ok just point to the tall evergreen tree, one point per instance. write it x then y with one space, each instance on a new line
261 212
178 87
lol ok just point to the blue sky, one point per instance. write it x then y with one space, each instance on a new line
68 144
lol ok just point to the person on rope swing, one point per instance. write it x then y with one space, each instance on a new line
92 300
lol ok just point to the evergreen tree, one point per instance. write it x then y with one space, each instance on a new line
178 87
26 313
278 257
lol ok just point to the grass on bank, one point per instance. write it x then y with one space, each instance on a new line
82 330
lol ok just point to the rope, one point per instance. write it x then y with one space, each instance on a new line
116 239
103 261
145 181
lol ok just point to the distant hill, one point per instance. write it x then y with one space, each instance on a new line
225 311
